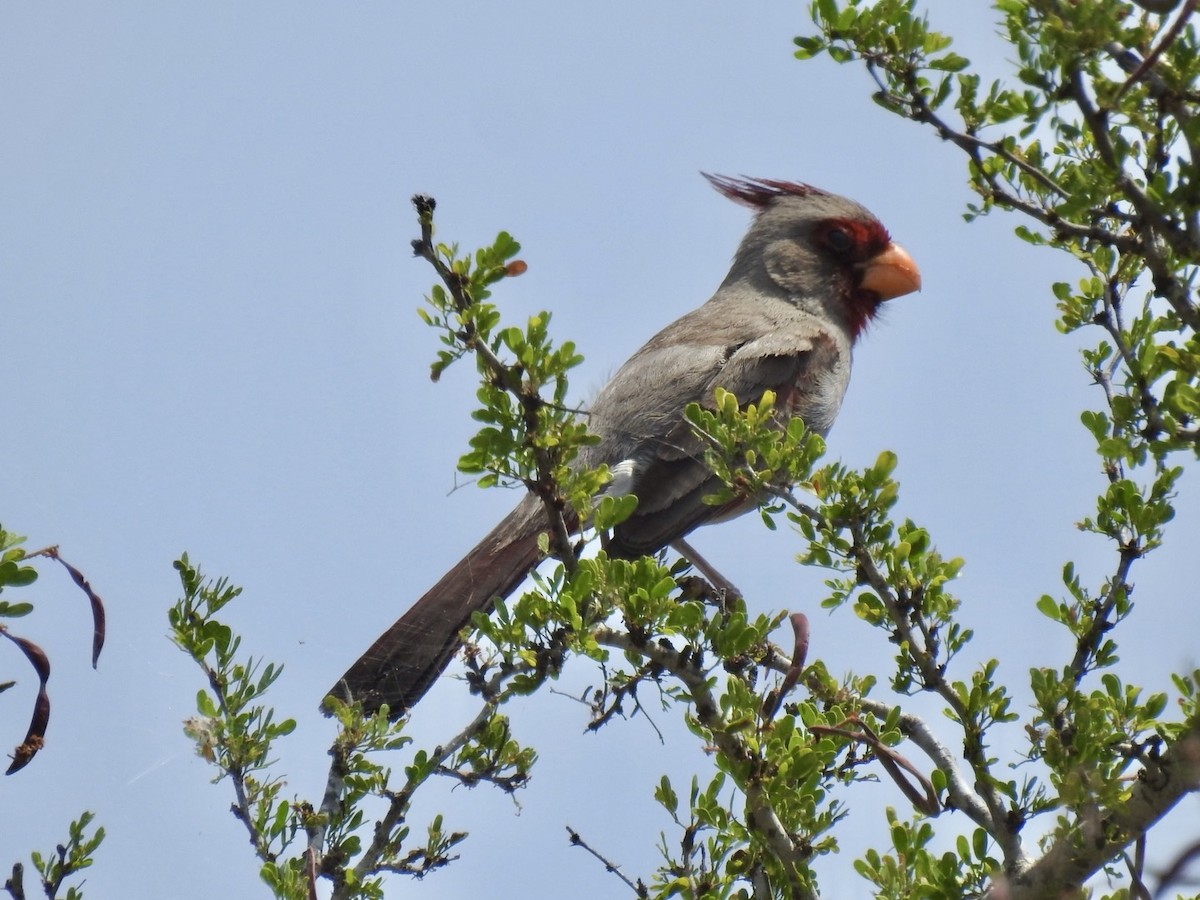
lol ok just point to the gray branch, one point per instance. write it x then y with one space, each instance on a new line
1096 838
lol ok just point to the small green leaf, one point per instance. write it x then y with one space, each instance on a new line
1049 608
205 704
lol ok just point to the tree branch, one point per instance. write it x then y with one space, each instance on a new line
760 813
639 889
505 376
1091 841
401 801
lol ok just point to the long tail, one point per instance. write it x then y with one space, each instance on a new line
406 659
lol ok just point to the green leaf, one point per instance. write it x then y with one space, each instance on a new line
1049 607
205 705
951 62
885 464
808 47
14 575
665 795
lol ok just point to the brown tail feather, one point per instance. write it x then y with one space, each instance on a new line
407 658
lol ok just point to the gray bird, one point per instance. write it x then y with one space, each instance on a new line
809 276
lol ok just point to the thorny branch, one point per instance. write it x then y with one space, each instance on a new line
237 773
960 794
1084 849
760 815
1117 588
637 887
608 702
335 788
983 803
925 800
1145 230
15 885
400 801
507 377
975 147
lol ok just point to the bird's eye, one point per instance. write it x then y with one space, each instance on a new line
838 239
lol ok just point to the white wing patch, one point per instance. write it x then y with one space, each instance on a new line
623 474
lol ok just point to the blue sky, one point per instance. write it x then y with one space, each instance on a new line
210 345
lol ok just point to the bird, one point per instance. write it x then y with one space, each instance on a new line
810 274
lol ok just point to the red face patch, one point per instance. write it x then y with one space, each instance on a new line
852 240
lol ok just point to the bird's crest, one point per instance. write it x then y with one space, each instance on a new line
757 193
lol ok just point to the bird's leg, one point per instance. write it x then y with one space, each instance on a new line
705 568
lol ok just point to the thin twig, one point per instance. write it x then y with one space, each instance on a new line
401 800
1068 860
960 793
507 377
604 710
15 884
237 774
1089 643
638 888
335 788
1174 873
925 800
760 812
1152 57
1136 866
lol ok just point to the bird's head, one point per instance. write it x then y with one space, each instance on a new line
823 252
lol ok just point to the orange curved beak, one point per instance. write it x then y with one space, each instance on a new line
892 273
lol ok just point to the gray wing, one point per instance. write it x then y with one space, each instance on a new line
640 416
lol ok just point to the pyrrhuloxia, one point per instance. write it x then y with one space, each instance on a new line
809 275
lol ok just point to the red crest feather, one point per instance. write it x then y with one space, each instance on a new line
757 193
